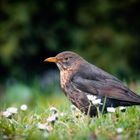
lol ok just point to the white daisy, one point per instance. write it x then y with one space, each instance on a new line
91 97
119 130
42 126
52 118
53 110
122 108
6 114
24 107
96 102
62 114
111 109
94 99
12 110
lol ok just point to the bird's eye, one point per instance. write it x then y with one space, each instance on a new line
66 58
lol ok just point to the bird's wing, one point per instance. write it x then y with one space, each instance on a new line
105 86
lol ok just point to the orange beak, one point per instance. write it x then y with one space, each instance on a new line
51 59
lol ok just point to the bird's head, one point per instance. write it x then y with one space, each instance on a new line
65 60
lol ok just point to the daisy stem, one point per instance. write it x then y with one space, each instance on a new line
89 109
98 111
104 105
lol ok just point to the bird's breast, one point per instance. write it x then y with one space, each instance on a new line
64 78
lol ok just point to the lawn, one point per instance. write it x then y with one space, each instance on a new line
53 117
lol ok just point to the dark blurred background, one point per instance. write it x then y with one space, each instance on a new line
106 33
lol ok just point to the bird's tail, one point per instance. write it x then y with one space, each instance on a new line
134 98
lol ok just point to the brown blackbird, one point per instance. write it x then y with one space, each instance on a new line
79 79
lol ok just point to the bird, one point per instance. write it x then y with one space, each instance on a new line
81 80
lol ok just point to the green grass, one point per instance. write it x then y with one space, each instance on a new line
24 124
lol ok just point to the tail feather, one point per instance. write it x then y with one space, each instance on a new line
135 98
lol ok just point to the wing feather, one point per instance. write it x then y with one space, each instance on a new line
98 82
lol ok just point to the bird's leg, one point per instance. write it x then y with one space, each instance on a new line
98 111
